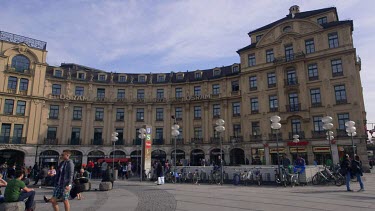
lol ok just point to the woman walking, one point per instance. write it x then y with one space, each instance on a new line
357 171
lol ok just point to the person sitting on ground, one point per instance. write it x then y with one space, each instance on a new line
16 190
3 183
107 177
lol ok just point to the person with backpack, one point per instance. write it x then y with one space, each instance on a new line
357 171
346 171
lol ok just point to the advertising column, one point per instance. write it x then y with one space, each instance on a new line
148 149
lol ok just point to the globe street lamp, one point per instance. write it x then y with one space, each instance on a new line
350 129
296 141
175 133
327 125
220 128
114 139
275 125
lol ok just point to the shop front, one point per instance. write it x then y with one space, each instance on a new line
301 151
196 157
95 155
273 153
49 158
180 155
257 156
322 155
76 156
237 156
215 156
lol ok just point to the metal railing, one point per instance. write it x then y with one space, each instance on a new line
14 38
300 133
97 141
51 141
318 134
215 140
289 58
255 137
236 139
272 136
74 141
158 141
9 68
291 82
12 140
137 141
293 107
196 140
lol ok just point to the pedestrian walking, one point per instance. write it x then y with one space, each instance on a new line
159 173
358 171
64 181
346 170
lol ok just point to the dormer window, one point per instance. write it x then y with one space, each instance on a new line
235 69
142 78
287 29
217 72
198 75
161 78
81 76
58 73
122 78
322 20
258 37
101 77
180 76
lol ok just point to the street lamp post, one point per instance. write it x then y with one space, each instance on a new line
220 128
327 125
142 135
351 130
114 139
174 134
275 125
296 140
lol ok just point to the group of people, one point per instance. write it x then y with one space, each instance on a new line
352 168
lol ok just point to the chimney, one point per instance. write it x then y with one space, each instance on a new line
293 10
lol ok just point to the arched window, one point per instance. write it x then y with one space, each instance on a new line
20 63
287 29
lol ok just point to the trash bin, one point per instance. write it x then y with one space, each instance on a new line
115 176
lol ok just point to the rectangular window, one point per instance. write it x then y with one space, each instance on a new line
291 77
296 126
100 93
236 130
56 89
99 114
216 89
159 133
161 78
198 132
197 90
333 40
180 77
253 83
122 78
120 114
274 105
140 114
342 118
254 105
121 94
269 56
8 107
235 86
178 113
236 109
315 97
198 75
217 72
313 72
235 69
178 92
24 84
54 111
317 123
12 83
98 136
336 67
216 110
322 20
340 94
79 91
142 78
77 113
21 107
75 136
17 134
58 73
258 37
160 93
271 78
197 112
81 76
251 59
5 133
255 128
289 54
120 136
51 132
102 77
140 94
159 114
293 102
309 46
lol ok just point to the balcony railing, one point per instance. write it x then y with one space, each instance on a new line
179 141
342 101
256 137
120 142
318 134
74 141
158 141
255 111
13 70
274 109
236 139
272 136
215 140
235 93
12 140
97 141
291 82
313 78
12 91
254 88
23 92
196 140
14 38
315 105
336 74
341 133
293 107
137 141
289 58
301 134
271 85
51 141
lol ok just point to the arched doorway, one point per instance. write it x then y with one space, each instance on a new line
196 156
77 158
180 155
95 155
237 156
12 157
118 154
214 156
49 158
135 157
159 155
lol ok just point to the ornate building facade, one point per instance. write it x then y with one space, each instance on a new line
301 67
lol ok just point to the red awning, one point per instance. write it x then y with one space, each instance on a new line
301 143
110 160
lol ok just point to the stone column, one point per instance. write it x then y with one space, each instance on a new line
88 126
206 126
66 124
267 155
335 153
310 154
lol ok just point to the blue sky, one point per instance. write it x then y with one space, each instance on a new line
163 36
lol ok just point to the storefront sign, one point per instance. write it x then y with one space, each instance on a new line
294 149
274 150
320 149
147 151
301 143
67 97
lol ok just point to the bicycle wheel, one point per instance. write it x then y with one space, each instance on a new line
339 180
316 180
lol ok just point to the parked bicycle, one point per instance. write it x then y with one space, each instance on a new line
258 178
328 177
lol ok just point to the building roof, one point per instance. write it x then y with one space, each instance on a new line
300 15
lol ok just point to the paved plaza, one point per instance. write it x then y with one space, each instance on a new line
133 195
